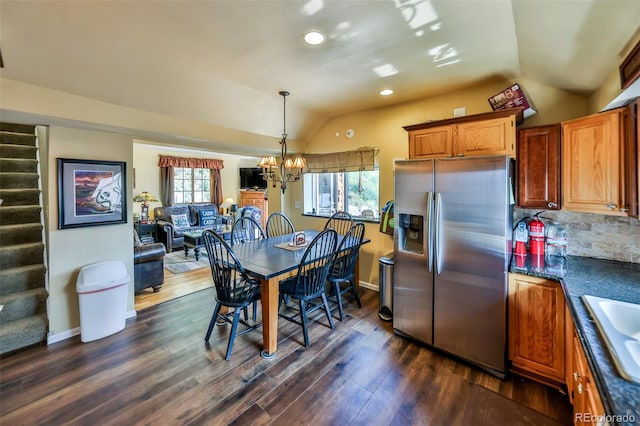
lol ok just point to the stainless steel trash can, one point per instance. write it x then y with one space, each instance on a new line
385 287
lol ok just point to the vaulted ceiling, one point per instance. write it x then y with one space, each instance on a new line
223 62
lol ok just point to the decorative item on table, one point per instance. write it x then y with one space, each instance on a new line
289 169
225 207
298 239
145 198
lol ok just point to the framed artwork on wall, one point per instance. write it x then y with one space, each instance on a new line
91 193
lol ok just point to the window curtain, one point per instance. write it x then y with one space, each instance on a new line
167 163
361 159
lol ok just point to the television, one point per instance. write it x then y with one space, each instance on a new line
251 177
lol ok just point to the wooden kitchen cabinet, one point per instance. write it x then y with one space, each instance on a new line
587 404
537 329
631 171
256 199
538 176
593 164
474 135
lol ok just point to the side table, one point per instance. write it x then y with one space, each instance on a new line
146 231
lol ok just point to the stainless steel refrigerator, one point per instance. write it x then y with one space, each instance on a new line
452 245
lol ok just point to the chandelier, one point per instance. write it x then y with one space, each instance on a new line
285 169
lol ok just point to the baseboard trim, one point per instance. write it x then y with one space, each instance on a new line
369 285
64 335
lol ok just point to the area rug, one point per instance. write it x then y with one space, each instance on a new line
177 263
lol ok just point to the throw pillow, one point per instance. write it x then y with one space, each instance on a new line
207 217
180 221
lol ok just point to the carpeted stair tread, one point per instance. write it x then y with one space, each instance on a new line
22 304
20 197
29 129
23 333
18 151
23 294
23 165
21 255
21 278
14 215
19 234
18 180
17 139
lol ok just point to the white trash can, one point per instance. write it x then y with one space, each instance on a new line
102 294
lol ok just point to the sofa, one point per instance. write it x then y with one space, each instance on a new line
173 221
148 265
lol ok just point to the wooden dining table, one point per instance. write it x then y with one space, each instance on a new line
263 259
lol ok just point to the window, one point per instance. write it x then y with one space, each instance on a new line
191 185
353 192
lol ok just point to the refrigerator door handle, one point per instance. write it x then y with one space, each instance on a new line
429 239
437 232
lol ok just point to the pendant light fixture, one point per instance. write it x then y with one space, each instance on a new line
287 169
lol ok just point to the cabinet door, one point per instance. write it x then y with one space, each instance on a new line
587 404
487 137
591 164
536 328
538 154
435 142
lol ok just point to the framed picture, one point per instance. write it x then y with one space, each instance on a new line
91 193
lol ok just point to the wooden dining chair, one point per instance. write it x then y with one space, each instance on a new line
309 284
340 221
279 224
246 229
342 272
234 288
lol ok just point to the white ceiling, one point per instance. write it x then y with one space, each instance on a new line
223 62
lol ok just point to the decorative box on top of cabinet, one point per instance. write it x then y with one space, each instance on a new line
595 172
538 153
256 199
492 133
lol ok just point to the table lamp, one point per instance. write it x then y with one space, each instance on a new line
226 204
145 199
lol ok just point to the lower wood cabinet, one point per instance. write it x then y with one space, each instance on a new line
537 329
587 405
544 345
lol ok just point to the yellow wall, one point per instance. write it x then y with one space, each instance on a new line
382 128
71 249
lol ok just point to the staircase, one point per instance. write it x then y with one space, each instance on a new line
23 294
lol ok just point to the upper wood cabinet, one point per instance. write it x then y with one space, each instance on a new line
593 164
537 328
474 135
538 153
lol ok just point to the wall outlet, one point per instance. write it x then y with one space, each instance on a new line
460 112
297 204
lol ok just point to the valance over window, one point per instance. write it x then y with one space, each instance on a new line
360 159
194 163
167 164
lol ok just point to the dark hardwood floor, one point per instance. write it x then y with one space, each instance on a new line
158 370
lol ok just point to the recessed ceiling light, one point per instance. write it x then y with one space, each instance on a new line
386 92
314 37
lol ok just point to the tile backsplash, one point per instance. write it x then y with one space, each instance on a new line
595 235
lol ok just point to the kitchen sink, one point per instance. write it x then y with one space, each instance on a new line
619 324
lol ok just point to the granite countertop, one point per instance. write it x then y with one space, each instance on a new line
602 278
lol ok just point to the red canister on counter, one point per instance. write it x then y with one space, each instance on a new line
536 236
